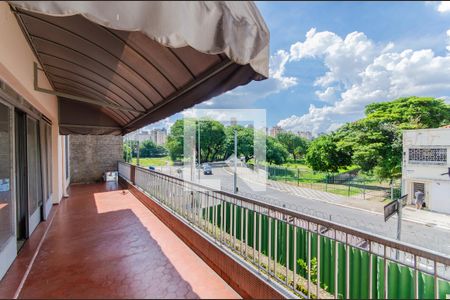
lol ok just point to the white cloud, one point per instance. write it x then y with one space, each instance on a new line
363 73
328 95
444 7
448 42
344 58
277 67
244 96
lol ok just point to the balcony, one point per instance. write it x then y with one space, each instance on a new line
102 242
157 236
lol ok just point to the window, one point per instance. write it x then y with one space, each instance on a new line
428 155
6 211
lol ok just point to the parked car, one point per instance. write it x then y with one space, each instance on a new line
207 170
151 168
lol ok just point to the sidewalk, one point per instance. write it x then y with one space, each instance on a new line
425 217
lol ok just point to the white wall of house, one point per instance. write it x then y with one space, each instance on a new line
428 172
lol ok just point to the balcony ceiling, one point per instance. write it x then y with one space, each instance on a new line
118 66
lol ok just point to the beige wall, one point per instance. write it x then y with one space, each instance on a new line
16 69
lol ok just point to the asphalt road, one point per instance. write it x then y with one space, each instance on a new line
433 238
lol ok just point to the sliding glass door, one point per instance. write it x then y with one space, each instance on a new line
25 175
34 174
7 219
46 165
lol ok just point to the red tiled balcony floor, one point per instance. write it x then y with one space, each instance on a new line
106 244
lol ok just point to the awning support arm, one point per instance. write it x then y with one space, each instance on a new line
90 126
75 97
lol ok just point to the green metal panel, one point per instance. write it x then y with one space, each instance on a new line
355 270
392 280
364 275
444 289
400 278
406 288
341 271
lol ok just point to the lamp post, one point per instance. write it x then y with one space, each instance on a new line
199 150
137 151
235 189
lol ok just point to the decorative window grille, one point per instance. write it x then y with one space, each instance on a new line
428 155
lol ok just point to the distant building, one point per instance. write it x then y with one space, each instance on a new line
157 136
425 159
305 134
233 122
160 136
274 131
140 136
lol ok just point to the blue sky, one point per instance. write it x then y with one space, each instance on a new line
330 59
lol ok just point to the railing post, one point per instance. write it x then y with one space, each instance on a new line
132 174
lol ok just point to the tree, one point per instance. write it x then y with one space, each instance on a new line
276 153
324 155
175 140
245 138
410 112
293 143
376 140
126 153
212 139
150 149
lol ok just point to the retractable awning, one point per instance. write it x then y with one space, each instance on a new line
118 66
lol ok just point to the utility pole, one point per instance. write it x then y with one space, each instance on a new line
235 189
131 149
399 223
137 158
199 150
392 190
399 219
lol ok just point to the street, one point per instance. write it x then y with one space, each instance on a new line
422 235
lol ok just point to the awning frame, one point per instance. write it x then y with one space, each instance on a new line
36 70
125 99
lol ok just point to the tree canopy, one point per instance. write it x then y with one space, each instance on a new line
325 155
375 141
294 144
217 142
150 149
245 138
276 153
175 140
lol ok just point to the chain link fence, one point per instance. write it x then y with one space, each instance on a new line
349 184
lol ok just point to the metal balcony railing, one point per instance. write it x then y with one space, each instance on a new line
312 257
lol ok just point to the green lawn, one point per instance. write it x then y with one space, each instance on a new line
301 165
153 161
